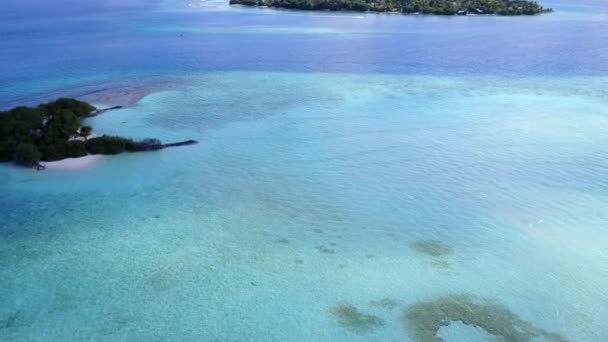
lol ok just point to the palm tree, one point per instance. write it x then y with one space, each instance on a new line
85 131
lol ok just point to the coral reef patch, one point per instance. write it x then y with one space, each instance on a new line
425 319
326 250
354 320
433 248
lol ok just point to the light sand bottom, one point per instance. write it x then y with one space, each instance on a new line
73 164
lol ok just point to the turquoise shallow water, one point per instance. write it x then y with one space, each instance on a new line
311 190
357 177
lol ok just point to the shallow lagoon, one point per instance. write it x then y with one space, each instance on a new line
299 215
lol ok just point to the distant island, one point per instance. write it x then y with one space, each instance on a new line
54 131
439 7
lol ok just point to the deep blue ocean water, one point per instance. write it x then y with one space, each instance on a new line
332 147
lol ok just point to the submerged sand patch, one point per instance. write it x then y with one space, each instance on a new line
441 264
385 303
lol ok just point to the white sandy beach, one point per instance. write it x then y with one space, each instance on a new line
73 164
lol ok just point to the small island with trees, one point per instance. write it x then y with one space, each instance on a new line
54 131
438 7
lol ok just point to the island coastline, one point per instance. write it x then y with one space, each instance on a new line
52 135
414 7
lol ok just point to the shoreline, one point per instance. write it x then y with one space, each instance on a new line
393 12
74 164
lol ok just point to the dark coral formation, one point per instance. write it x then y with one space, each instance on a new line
434 248
426 318
325 250
351 318
9 321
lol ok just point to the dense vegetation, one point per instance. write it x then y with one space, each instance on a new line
53 131
115 145
443 7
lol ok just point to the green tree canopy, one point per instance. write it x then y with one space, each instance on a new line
85 131
27 154
442 7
